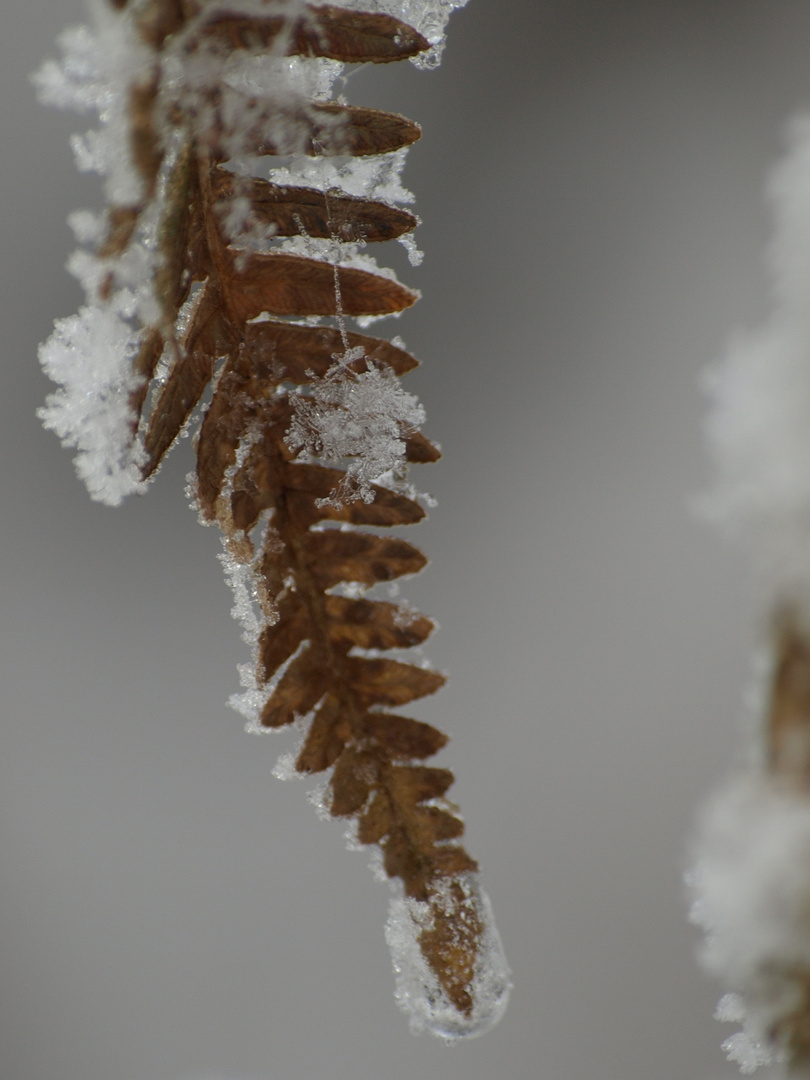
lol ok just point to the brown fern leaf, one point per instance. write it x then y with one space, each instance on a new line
355 37
297 211
306 420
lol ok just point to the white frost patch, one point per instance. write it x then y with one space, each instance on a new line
750 886
361 417
374 176
417 989
97 69
748 1047
760 397
90 356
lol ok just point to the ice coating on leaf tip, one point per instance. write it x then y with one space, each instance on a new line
418 991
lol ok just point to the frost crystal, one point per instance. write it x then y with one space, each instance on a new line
750 888
417 989
364 417
90 355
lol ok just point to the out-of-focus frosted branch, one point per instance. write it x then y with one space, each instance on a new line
751 880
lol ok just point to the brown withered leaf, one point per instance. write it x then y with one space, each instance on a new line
376 820
157 19
412 784
289 352
272 569
357 37
320 482
121 222
327 736
246 473
451 944
358 131
402 860
789 719
440 824
245 509
145 143
319 129
387 509
241 400
419 866
389 682
174 274
228 417
301 211
208 336
401 738
144 366
420 450
333 555
351 782
373 624
299 690
256 487
294 285
279 641
183 389
452 860
354 37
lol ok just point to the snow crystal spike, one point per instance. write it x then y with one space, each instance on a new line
305 443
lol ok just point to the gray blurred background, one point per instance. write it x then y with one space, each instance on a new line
590 180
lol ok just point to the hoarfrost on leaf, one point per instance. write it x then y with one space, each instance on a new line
364 417
750 885
90 356
750 1053
364 177
418 992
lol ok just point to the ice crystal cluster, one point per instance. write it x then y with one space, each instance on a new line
751 881
242 195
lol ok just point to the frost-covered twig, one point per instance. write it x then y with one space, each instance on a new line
751 880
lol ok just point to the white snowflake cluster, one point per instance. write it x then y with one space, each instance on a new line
751 883
359 420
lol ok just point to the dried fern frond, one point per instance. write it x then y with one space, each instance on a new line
209 275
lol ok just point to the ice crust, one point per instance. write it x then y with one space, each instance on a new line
418 992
